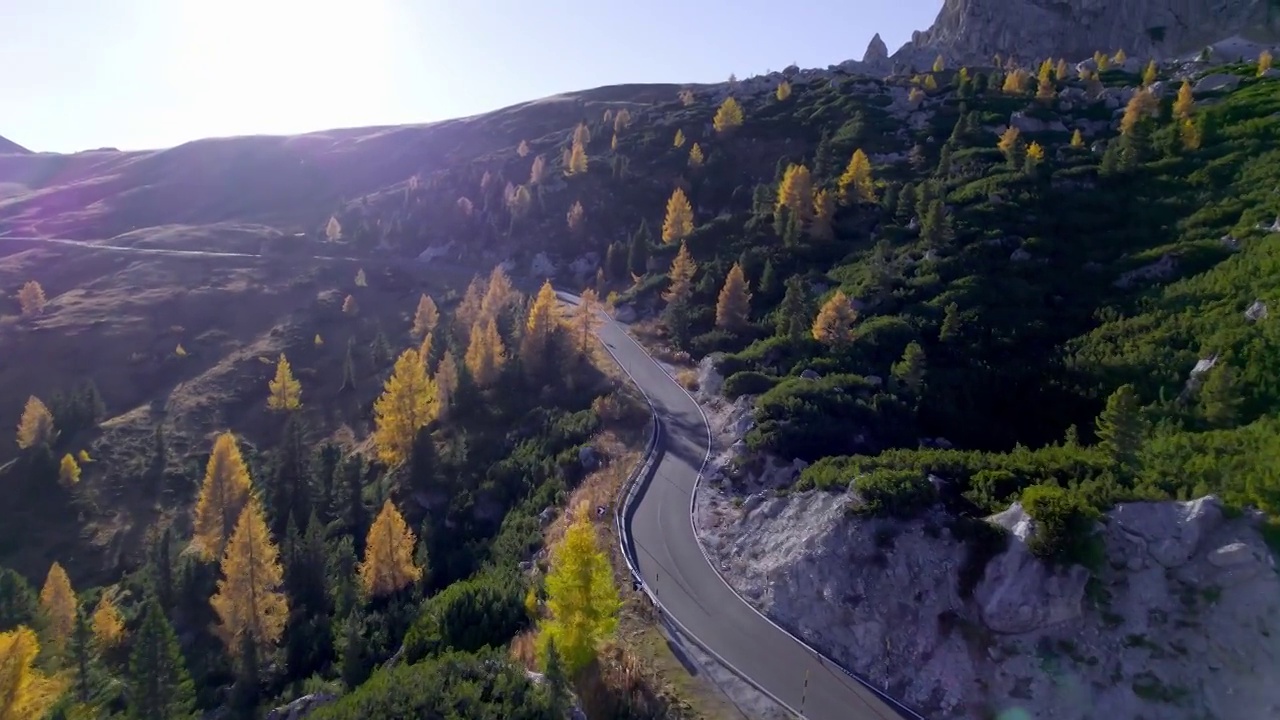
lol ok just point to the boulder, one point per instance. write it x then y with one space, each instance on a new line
1171 531
301 707
1215 82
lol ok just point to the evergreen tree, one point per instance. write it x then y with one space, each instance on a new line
793 313
951 327
19 604
1121 428
638 254
157 685
910 370
768 281
1220 398
161 574
82 656
349 366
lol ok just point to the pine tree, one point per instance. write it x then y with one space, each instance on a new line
792 317
939 64
407 404
388 564
681 276
446 380
499 294
1035 155
26 693
82 657
425 317
577 157
349 306
538 171
249 602
695 156
333 230
108 626
1120 57
679 139
951 326
679 222
855 184
834 324
581 598
157 685
1220 398
1077 140
1062 71
584 321
795 193
1185 104
285 392
538 343
783 92
58 604
36 426
361 279
824 210
223 495
1149 74
575 218
734 302
1143 104
349 365
1044 83
1121 428
910 370
31 299
486 354
523 148
638 251
728 116
68 471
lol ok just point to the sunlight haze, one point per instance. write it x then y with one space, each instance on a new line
136 74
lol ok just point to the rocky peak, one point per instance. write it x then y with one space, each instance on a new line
877 51
9 147
972 31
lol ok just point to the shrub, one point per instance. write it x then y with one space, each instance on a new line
1064 524
894 493
748 382
484 611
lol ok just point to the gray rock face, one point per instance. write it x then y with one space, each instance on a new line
972 31
301 707
877 51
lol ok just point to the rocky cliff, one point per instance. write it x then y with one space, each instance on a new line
972 31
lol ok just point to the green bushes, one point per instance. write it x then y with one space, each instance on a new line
894 493
1064 525
810 419
485 611
748 382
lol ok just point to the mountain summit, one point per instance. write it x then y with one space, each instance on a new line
9 147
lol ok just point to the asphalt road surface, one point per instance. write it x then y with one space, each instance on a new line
672 563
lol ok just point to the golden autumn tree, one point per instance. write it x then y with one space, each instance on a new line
318 341
68 471
678 224
425 317
1120 57
36 426
1035 154
1264 62
1150 73
679 139
349 306
856 185
1186 103
696 158
250 602
1142 105
734 303
728 116
783 92
362 280
795 192
407 404
916 96
930 83
31 299
388 564
581 134
1015 83
1062 71
1077 140
576 217
25 691
333 230
486 353
622 120
499 293
1044 83
58 604
680 276
446 379
222 498
824 210
577 163
285 392
537 344
582 600
538 172
835 321
584 320
469 308
613 143
523 148
1010 142
108 625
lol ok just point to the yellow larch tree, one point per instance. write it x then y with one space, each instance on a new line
916 96
465 206
362 280
68 471
58 603
250 601
318 341
930 83
621 120
349 306
581 134
613 143
795 192
728 116
499 293
1143 104
388 564
223 495
523 148
1015 83
538 171
285 392
1264 62
1077 140
834 324
696 157
1009 141
1035 154
486 353
939 64
537 344
36 426
577 164
520 201
1186 103
783 92
582 600
407 404
824 210
734 303
1120 57
584 321
1063 71
1044 83
576 217
1150 73
679 139
108 625
425 317
446 379
25 691
855 184
31 299
680 276
678 224
425 349
469 308
686 97
333 230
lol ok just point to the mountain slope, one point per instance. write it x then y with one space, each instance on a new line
9 147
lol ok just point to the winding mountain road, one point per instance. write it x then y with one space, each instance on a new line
669 557
691 591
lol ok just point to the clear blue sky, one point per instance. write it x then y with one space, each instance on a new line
134 74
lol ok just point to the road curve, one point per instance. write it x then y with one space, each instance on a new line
671 562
